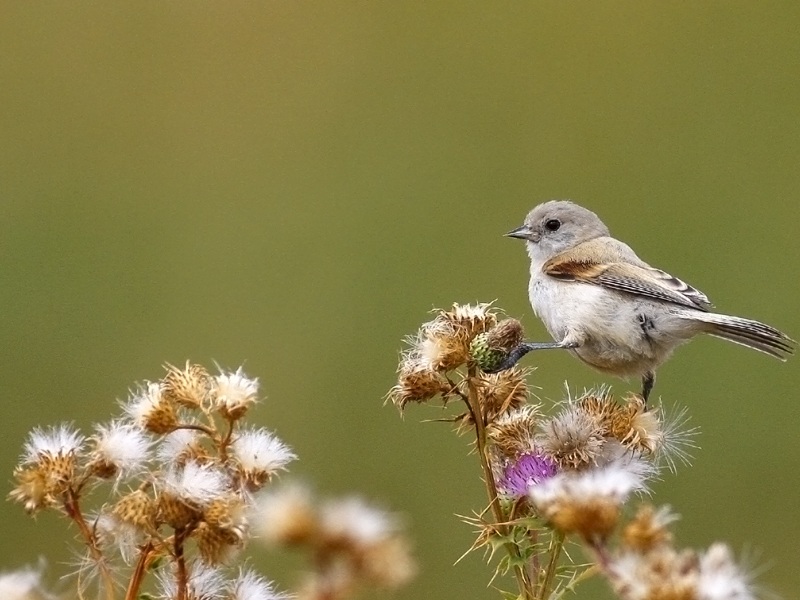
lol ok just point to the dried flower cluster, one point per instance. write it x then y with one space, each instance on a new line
350 540
556 477
183 478
646 565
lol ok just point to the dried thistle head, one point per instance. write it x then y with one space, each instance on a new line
441 345
233 393
663 573
648 529
573 438
48 466
388 563
416 383
182 446
513 432
151 410
189 387
286 516
186 492
499 393
222 531
588 502
259 455
138 509
469 320
119 450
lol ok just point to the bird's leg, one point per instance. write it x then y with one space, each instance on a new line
648 381
517 353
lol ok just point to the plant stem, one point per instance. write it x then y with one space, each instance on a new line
181 562
145 558
73 510
525 587
556 545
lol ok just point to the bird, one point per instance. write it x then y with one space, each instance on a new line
605 305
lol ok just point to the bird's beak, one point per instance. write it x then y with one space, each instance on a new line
523 233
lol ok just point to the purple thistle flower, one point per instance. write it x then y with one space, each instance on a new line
520 475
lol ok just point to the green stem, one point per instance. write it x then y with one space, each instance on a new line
523 581
556 546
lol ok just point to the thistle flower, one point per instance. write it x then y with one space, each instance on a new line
588 502
234 393
572 438
524 472
150 409
188 387
260 455
285 515
119 450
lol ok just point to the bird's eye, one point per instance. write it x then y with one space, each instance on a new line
552 224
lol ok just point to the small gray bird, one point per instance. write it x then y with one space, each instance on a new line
613 310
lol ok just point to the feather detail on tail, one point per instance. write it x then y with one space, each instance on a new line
747 332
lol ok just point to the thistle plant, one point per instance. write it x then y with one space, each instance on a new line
166 497
563 474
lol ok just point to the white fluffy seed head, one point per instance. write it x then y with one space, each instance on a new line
721 578
203 583
23 584
354 520
614 482
249 585
197 483
122 445
260 453
285 515
51 442
234 392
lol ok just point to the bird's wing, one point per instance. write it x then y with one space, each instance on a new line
638 279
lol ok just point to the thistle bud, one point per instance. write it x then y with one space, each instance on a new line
491 348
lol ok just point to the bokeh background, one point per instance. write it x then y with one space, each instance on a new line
294 185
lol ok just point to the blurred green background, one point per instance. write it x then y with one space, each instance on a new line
294 185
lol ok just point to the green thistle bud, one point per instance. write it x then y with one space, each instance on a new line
490 349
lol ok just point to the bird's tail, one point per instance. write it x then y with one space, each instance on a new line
747 332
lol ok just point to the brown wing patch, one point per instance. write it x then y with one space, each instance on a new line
573 270
629 278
